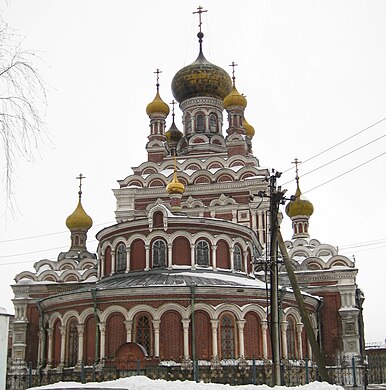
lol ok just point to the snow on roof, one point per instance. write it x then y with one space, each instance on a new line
144 383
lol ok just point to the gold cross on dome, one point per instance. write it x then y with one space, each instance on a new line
233 65
158 73
200 10
173 104
296 162
80 178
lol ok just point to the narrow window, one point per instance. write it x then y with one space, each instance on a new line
120 258
227 338
237 259
213 123
188 124
202 253
143 332
291 338
159 254
200 123
72 355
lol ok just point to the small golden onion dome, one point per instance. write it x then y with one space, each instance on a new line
201 78
157 106
79 219
249 129
175 187
235 99
299 206
173 135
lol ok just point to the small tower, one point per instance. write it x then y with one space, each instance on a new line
175 189
235 104
173 135
299 210
79 224
157 110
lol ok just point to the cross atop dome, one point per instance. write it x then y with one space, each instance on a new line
296 162
233 65
200 35
80 178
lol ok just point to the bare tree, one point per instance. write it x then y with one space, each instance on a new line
22 93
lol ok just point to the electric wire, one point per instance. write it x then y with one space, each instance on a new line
345 173
337 144
338 158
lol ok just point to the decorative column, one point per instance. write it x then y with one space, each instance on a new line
185 325
112 262
147 248
231 253
245 255
260 217
156 324
50 333
102 329
129 328
214 257
128 250
254 221
240 327
62 345
284 325
299 329
192 256
80 329
170 256
102 266
40 347
214 338
264 328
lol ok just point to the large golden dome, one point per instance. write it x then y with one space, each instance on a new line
235 99
201 78
249 129
299 206
157 106
79 220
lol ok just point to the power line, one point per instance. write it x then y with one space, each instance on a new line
338 158
364 243
344 173
337 144
47 234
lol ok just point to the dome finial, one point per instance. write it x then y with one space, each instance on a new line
158 73
296 162
80 178
200 35
173 104
233 65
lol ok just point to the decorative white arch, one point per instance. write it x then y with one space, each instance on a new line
86 313
169 307
228 307
252 307
112 310
139 309
55 316
68 315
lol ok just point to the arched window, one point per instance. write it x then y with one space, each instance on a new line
143 332
159 254
237 259
120 258
202 253
227 337
200 127
188 124
213 123
72 350
291 338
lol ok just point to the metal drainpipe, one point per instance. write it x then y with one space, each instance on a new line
44 340
192 298
94 298
319 323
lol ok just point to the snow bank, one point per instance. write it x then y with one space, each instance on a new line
144 383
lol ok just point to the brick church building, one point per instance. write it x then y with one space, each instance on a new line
180 277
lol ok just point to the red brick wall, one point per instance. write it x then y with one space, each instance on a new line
89 340
32 333
137 255
108 261
203 335
56 341
331 330
223 257
171 336
253 337
115 334
181 251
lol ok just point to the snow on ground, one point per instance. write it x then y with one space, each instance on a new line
144 383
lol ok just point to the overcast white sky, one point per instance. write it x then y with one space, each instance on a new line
313 73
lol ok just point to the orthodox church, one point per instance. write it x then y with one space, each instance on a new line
179 280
